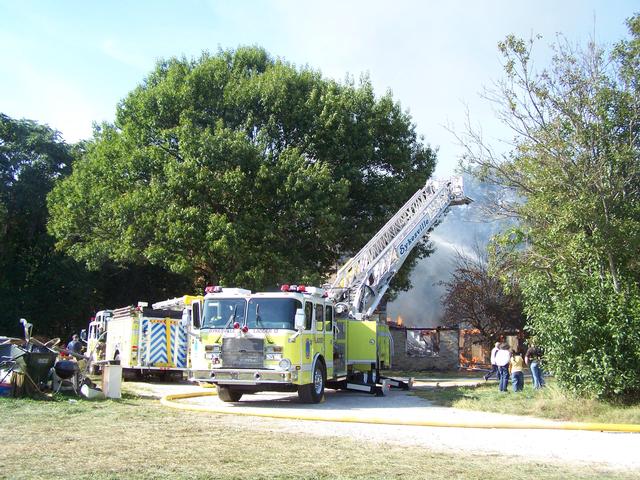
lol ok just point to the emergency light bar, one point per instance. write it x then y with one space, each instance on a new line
303 289
229 291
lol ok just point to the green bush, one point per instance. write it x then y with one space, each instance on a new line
590 333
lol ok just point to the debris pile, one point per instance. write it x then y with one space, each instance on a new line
36 368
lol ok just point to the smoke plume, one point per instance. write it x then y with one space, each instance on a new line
461 230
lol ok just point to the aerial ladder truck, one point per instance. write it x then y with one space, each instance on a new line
307 338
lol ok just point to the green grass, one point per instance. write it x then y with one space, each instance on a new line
549 402
137 438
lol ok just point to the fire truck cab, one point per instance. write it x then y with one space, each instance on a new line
288 341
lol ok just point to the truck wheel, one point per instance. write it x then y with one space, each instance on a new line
313 392
227 394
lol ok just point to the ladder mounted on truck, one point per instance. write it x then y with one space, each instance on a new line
177 304
362 282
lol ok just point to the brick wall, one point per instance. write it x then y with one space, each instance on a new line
445 359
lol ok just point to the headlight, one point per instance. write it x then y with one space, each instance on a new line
273 356
285 364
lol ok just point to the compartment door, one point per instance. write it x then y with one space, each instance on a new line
159 342
340 346
179 344
361 342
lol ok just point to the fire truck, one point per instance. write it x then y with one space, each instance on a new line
96 338
145 340
303 339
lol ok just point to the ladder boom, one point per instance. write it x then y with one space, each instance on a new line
363 280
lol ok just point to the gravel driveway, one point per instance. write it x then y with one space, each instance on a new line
611 449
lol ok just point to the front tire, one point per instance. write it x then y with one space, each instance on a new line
314 392
227 394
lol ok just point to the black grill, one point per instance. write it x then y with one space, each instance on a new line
242 353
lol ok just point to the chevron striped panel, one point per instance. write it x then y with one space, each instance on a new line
181 346
158 348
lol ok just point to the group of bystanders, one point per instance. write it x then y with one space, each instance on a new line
507 362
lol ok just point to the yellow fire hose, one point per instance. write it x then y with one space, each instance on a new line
170 401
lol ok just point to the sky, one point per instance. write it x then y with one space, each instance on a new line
69 63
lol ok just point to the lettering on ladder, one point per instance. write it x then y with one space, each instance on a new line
413 236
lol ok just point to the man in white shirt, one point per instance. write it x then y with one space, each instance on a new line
494 367
503 355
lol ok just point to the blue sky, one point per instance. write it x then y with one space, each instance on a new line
68 63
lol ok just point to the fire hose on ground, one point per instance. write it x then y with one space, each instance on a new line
170 401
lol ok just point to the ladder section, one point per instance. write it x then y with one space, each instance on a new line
364 279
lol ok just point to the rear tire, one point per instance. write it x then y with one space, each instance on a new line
314 392
227 394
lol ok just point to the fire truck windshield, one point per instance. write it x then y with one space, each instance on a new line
223 312
272 312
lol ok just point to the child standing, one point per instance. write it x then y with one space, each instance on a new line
516 366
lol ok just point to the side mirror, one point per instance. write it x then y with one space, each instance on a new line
196 309
83 335
300 319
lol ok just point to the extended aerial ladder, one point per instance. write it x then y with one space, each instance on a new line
298 343
362 282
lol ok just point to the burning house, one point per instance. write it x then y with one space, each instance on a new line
442 348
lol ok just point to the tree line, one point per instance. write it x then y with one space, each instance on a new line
37 281
571 183
234 168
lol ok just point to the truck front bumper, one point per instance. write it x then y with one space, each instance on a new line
230 376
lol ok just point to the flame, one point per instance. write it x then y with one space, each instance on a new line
399 321
470 331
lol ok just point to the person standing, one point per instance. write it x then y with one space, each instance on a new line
533 359
503 355
74 345
494 367
516 366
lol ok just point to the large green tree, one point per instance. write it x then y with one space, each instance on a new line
50 289
575 171
240 169
33 278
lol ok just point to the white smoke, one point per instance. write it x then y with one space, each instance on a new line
461 230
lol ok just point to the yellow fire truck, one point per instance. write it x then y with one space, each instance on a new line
307 338
144 340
